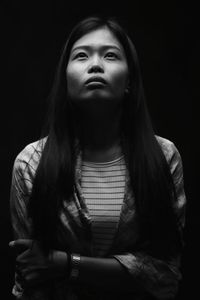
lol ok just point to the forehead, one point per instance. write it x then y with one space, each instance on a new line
99 37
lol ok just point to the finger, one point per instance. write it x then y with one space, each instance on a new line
20 279
32 278
21 245
23 257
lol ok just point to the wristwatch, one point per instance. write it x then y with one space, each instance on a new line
75 266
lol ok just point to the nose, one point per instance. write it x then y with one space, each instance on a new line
96 65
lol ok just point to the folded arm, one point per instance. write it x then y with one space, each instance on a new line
124 272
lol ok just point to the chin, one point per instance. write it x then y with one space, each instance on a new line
97 97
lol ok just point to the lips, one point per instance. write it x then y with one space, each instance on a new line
96 79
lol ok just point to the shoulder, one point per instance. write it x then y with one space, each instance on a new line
30 156
174 160
172 156
168 147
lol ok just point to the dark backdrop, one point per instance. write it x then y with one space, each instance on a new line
166 39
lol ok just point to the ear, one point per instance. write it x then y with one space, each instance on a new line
127 89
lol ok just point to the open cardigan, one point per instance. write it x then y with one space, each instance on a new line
156 278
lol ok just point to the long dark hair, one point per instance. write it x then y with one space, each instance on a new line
150 176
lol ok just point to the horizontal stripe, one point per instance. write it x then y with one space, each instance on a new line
105 213
104 170
118 162
104 185
94 179
106 197
103 192
105 235
105 218
101 247
99 201
103 224
106 174
108 207
104 242
104 230
100 242
105 162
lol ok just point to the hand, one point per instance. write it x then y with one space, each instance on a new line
33 267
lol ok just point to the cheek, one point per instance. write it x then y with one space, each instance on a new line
120 79
73 79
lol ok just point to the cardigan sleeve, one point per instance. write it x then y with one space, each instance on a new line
21 186
23 173
19 197
157 277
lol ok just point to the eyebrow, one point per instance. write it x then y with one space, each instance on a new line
89 47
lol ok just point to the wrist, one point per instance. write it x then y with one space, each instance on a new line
60 262
75 260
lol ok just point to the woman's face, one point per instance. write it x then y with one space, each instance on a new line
97 67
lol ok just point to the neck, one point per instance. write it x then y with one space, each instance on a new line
99 132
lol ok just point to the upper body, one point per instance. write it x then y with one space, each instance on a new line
98 114
158 278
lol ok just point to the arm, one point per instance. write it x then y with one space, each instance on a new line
20 190
157 277
23 173
18 213
21 186
130 270
19 196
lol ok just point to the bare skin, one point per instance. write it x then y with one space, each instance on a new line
99 56
99 106
100 136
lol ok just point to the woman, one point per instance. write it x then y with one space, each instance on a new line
98 203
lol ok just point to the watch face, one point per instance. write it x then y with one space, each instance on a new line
75 261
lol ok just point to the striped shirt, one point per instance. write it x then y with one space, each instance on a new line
159 278
103 186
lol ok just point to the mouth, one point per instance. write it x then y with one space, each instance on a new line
96 80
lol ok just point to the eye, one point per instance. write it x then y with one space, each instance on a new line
81 55
111 55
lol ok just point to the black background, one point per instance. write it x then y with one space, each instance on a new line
166 36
